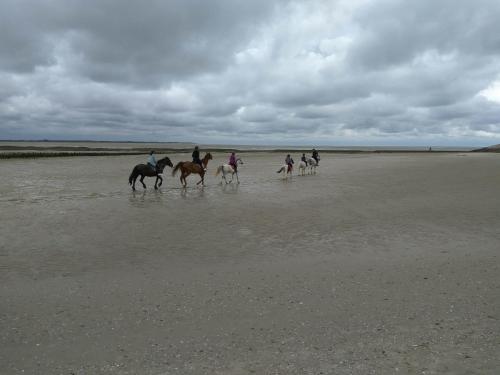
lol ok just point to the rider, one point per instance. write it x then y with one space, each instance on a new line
232 161
152 161
315 156
289 161
196 157
303 158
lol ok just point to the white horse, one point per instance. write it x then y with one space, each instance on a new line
285 170
302 168
311 163
228 169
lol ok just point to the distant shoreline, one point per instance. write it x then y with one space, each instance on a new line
92 152
45 149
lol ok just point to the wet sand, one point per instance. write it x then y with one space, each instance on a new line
379 264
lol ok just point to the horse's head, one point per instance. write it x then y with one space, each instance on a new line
239 161
163 162
205 160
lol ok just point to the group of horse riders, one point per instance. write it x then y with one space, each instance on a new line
289 161
196 160
232 159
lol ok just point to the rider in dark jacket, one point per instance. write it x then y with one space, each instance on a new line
304 159
315 155
289 161
196 157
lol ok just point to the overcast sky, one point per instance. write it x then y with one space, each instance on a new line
353 72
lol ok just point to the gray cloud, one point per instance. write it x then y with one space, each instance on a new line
239 71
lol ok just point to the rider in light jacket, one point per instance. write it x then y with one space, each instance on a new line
152 161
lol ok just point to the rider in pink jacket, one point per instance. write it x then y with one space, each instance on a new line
232 161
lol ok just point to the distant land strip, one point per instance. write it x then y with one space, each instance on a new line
40 152
48 154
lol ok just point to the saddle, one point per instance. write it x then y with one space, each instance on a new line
153 168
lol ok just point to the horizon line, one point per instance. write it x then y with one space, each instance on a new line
234 144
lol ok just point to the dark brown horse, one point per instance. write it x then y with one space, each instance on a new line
188 167
145 170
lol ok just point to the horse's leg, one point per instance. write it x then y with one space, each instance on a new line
133 183
186 173
161 180
156 182
142 181
237 179
202 181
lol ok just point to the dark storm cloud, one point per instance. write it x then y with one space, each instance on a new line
251 71
128 41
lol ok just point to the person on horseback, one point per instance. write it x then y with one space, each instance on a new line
152 161
315 156
196 157
289 161
304 159
233 162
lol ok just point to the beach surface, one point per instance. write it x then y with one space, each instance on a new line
378 264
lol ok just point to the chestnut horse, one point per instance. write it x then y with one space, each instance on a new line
188 167
145 170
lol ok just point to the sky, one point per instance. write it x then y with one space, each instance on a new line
346 72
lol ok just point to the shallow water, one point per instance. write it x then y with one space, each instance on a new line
82 210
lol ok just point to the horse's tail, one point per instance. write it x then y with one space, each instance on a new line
219 170
281 170
174 171
133 175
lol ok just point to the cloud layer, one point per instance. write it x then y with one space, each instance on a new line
282 72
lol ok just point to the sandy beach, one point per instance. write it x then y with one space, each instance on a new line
378 264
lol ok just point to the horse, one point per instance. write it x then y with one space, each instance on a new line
145 170
312 163
302 168
286 169
228 169
188 167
